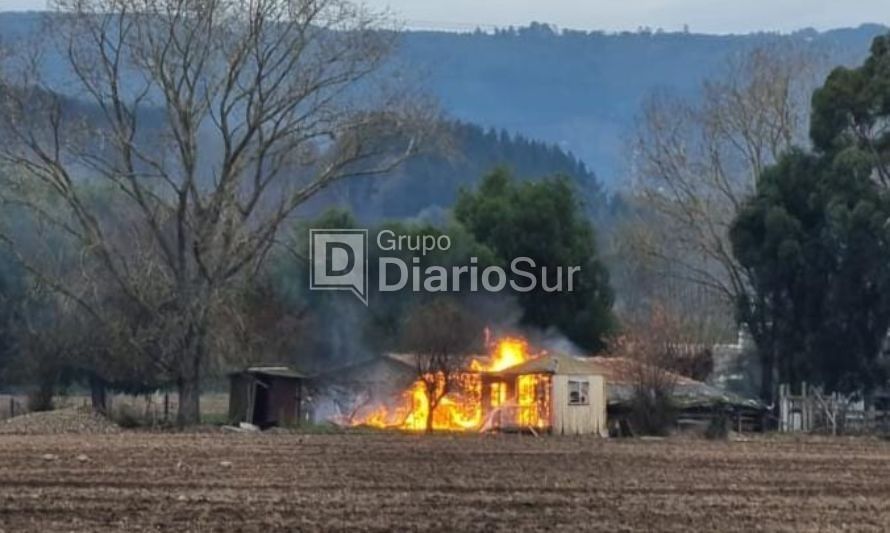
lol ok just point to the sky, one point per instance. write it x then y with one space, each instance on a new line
702 16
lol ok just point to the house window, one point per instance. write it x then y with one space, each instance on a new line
579 392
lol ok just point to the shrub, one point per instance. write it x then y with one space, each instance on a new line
652 412
718 427
128 417
41 397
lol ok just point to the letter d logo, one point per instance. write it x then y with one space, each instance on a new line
339 261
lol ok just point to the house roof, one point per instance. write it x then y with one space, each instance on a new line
555 363
620 375
272 371
386 366
624 371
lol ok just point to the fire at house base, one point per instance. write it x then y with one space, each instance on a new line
512 389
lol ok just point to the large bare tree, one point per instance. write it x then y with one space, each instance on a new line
209 122
697 160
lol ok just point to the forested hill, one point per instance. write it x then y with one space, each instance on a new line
583 90
426 183
430 181
580 91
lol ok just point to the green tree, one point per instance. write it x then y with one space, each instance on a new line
815 245
544 220
814 240
850 111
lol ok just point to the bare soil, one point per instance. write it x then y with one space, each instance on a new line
136 481
69 420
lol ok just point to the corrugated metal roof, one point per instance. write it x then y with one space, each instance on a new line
620 375
555 363
621 370
274 371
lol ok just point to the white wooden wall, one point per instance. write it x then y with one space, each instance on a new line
579 419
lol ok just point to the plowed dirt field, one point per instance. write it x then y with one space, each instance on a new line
233 482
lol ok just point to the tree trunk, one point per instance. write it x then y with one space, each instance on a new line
189 381
766 380
433 402
98 395
769 384
769 370
429 419
189 413
189 388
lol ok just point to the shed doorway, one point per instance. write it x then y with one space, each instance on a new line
260 404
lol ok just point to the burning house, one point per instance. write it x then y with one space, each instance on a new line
512 389
554 393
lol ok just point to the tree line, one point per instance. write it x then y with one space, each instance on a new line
771 194
161 237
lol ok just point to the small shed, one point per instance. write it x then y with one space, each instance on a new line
557 393
266 396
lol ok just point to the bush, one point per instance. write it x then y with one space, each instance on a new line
652 413
128 417
41 398
718 427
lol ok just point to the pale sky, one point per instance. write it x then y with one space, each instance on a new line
702 16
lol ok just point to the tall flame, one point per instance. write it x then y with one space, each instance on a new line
509 352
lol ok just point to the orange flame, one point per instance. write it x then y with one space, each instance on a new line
510 352
460 410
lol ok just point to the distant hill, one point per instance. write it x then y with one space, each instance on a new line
429 182
582 90
426 184
577 90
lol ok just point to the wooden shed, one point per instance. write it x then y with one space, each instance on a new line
266 396
556 393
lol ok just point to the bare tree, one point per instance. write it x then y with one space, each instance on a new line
697 161
648 281
59 338
209 122
657 350
441 335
